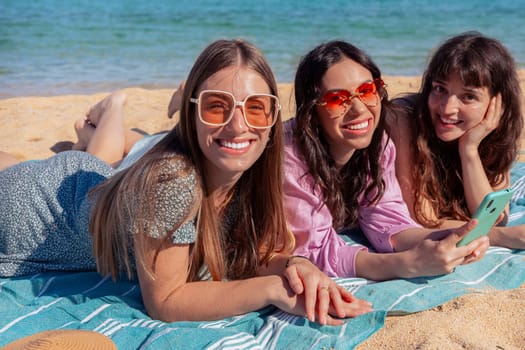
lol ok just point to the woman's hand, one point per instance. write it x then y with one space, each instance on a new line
473 137
439 253
321 296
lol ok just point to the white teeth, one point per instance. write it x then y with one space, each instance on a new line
234 145
359 126
449 121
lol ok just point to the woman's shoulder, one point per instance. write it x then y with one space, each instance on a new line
177 193
177 168
402 107
408 100
290 140
399 117
293 156
388 155
288 129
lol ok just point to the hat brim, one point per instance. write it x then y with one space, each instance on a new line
64 339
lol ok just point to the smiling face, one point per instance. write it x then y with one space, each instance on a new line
456 108
233 148
353 129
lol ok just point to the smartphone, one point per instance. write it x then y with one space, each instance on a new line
487 213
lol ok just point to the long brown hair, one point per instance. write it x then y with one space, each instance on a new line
480 62
261 227
340 188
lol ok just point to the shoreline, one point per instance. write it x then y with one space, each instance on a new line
100 88
397 83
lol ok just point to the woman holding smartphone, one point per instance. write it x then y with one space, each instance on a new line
458 138
340 175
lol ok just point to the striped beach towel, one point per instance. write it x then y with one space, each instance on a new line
517 202
89 301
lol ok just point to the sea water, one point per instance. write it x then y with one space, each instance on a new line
50 47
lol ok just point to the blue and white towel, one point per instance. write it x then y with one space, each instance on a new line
88 301
517 202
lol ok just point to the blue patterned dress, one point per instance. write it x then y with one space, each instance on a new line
44 212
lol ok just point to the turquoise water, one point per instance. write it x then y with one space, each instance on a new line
50 47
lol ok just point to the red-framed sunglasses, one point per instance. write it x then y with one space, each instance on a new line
337 101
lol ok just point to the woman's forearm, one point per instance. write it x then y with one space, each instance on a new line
381 266
475 182
210 300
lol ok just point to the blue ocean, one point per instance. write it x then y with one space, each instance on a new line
51 47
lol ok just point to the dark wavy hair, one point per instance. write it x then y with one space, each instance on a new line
481 62
340 188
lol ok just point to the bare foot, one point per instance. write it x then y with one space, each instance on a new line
84 131
116 99
85 127
176 100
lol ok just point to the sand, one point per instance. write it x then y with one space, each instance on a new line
38 127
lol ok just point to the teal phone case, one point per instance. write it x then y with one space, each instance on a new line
487 213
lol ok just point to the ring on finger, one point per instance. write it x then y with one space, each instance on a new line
324 288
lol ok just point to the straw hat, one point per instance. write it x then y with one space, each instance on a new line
65 339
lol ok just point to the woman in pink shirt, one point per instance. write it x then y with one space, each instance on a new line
340 174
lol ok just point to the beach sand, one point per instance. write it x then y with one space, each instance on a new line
38 127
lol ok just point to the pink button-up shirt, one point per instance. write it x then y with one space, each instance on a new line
311 222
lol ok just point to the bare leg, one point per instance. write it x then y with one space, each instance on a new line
85 130
103 134
7 160
107 141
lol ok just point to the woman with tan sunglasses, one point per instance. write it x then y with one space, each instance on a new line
198 218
